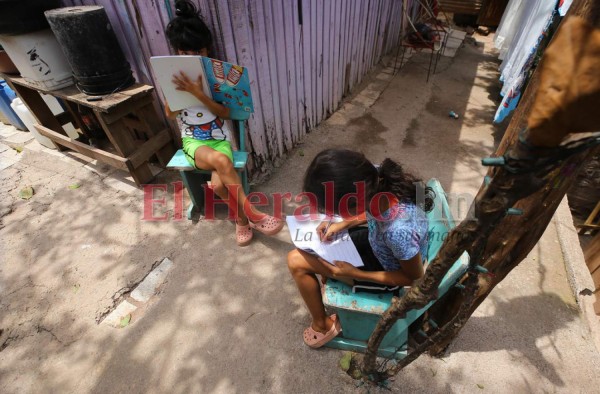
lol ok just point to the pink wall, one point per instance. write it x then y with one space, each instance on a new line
303 55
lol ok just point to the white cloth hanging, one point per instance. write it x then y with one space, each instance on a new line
505 33
534 17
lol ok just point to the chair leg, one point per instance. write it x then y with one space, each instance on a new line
402 59
193 182
396 58
440 52
437 59
429 68
190 211
245 182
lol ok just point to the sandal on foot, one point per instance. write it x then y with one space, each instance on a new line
243 234
316 339
268 225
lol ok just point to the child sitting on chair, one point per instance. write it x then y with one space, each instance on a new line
206 138
393 247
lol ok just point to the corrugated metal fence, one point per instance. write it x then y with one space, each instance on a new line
303 55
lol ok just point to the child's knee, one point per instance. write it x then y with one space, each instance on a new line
223 163
296 262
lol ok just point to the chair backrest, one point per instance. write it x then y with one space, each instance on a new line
440 219
240 117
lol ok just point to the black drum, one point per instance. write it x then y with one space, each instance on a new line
91 47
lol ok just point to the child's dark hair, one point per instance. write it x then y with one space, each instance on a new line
187 31
345 168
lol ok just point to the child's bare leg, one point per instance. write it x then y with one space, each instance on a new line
303 267
221 191
209 159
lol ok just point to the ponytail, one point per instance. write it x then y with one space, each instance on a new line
187 31
406 187
185 9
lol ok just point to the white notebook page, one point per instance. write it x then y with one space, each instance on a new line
304 236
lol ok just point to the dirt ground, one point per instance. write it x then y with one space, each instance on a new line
230 319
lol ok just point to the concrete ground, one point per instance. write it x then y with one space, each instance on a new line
229 319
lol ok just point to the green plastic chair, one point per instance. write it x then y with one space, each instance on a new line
194 179
359 312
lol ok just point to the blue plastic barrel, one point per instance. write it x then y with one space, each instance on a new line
6 97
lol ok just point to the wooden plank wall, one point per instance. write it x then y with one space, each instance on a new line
303 55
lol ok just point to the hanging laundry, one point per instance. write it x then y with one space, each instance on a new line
563 6
524 26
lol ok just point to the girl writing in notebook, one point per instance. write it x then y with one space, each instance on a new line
393 246
206 138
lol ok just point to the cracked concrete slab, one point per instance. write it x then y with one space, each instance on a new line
114 318
147 288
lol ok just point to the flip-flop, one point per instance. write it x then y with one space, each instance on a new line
268 225
316 339
243 234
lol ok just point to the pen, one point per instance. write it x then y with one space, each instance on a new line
328 225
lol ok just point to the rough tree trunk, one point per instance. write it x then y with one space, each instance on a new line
535 181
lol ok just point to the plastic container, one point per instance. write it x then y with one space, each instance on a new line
4 119
20 108
30 121
6 98
39 59
91 48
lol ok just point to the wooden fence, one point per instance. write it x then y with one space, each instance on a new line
303 55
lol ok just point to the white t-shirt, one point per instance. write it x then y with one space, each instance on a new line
199 123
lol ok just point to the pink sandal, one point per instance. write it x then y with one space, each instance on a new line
268 225
316 339
243 234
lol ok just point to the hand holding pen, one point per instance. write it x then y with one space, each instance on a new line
325 230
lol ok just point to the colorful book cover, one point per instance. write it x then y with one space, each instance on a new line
229 84
226 83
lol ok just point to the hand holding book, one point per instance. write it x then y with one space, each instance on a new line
184 83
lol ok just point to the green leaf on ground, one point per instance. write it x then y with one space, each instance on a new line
75 186
300 152
19 149
481 386
125 321
26 193
433 373
345 361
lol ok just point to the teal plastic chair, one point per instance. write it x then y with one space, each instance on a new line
194 179
359 312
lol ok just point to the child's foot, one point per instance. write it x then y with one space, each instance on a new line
268 225
316 338
243 234
324 326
